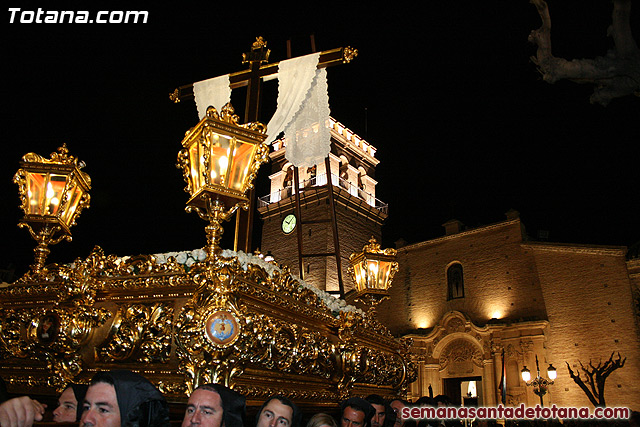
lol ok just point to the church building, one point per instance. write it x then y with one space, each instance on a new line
480 305
470 295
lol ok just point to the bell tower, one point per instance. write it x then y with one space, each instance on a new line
324 224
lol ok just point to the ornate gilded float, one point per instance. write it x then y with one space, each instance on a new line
209 315
182 320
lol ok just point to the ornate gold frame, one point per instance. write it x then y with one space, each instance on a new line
150 316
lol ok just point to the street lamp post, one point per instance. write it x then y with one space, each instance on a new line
540 384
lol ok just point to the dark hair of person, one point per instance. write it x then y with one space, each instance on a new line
296 415
426 401
375 399
442 398
233 404
79 391
359 404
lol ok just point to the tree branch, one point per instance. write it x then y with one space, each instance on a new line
576 378
615 75
620 30
596 377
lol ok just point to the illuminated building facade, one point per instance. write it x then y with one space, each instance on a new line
472 295
467 296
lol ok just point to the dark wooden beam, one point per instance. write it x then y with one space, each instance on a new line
240 79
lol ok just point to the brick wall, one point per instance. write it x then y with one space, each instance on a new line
499 280
590 308
585 292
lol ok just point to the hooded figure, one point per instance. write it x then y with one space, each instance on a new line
139 401
296 415
79 390
359 404
70 403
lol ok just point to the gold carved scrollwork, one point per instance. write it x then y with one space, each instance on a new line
349 358
294 394
12 343
57 331
360 363
202 359
139 333
287 347
237 321
379 367
349 54
411 370
260 341
317 354
59 334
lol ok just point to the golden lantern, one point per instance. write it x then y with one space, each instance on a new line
220 159
53 192
372 271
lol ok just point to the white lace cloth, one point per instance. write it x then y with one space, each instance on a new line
214 92
303 111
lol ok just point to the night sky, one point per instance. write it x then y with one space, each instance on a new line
464 125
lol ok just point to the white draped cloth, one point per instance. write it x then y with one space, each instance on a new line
215 92
303 111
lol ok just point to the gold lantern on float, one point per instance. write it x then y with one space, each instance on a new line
220 159
53 192
372 271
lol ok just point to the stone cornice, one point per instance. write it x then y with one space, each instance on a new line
464 233
576 248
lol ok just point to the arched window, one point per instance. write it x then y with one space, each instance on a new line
455 281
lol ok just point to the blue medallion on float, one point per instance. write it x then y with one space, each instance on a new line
222 328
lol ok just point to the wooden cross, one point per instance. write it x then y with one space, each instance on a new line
259 68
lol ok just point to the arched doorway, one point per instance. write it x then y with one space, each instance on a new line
463 391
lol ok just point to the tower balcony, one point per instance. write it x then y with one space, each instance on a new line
341 187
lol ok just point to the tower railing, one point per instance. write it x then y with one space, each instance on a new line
319 181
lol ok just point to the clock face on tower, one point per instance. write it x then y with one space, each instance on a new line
289 223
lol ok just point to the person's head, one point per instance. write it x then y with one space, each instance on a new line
397 405
278 411
322 420
100 406
426 401
214 405
123 398
70 402
380 410
442 400
356 412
